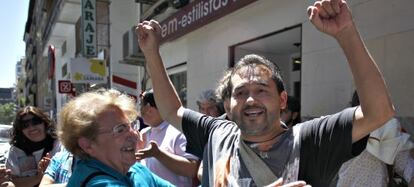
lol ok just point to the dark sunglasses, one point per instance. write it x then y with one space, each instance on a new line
33 121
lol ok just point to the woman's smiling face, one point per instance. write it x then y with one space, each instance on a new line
116 142
33 128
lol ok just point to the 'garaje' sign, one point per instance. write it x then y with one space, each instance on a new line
89 28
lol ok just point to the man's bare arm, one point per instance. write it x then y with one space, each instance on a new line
168 102
334 18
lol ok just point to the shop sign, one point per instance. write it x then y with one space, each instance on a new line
65 86
89 28
197 14
92 71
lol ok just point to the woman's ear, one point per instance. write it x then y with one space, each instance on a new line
86 145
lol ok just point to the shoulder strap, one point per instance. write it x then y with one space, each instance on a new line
291 172
260 172
92 175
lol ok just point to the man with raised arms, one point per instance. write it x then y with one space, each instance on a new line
257 136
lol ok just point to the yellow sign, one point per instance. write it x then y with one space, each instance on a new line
93 71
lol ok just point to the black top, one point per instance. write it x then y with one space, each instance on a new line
326 143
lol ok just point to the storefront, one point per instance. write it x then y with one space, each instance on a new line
210 42
204 38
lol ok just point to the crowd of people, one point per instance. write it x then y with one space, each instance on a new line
247 132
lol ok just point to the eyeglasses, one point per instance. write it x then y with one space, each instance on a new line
118 130
31 122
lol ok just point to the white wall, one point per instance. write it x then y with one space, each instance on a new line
123 15
61 99
388 31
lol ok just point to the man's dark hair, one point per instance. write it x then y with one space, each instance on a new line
253 61
148 98
222 90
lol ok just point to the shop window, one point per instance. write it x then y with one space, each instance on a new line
179 81
178 76
64 70
64 48
296 64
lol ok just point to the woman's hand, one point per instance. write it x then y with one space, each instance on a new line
43 163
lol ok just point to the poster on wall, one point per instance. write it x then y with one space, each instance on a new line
92 71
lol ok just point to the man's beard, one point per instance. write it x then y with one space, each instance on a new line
251 129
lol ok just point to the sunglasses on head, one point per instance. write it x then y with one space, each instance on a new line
32 121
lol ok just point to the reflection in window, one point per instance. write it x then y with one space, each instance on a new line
179 81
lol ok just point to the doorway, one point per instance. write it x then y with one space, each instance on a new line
282 47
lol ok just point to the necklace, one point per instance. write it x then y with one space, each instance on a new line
271 140
263 147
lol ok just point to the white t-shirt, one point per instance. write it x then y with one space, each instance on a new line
172 140
25 166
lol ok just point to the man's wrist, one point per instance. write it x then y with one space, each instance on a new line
151 50
347 33
151 53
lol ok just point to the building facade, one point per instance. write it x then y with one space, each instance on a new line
20 83
203 38
57 36
313 65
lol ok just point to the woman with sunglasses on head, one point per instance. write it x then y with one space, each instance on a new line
33 143
96 128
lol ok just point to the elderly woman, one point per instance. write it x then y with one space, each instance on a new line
207 104
96 128
33 143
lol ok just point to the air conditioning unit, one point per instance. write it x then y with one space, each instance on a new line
132 54
157 8
177 4
167 13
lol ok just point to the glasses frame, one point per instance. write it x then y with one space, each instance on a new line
124 127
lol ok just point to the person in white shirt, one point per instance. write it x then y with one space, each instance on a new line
163 141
